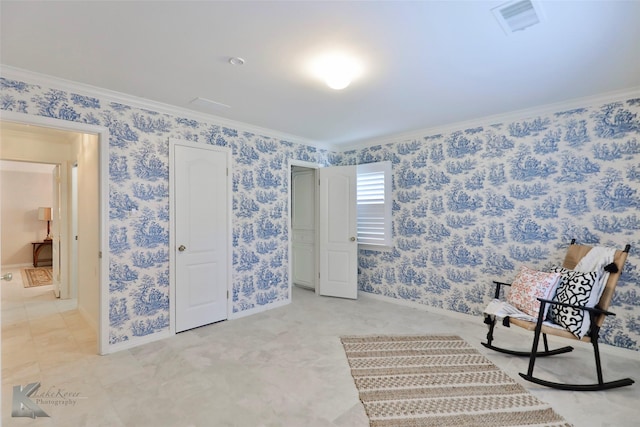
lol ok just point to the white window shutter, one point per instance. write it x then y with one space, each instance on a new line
374 204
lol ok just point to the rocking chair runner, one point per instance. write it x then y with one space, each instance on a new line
597 316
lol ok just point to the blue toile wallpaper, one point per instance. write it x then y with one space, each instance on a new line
472 205
138 219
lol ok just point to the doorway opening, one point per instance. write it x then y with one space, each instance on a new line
303 225
323 249
80 155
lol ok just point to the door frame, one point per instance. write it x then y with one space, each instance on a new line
172 225
103 172
316 167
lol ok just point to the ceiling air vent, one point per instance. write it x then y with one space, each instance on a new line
208 104
518 15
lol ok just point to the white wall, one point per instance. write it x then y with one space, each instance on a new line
21 193
88 237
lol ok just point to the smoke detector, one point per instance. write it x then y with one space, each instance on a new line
236 60
518 15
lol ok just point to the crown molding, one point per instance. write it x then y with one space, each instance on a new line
109 95
523 114
33 77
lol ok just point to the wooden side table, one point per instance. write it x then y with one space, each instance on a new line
37 247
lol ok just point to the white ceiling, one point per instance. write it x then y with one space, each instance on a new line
427 63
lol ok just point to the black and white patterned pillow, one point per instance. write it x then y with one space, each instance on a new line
575 288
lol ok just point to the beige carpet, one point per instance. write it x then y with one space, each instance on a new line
439 381
41 276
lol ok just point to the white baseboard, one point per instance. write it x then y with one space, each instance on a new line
8 266
126 345
259 309
417 305
604 348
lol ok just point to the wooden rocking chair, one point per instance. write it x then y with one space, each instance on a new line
596 315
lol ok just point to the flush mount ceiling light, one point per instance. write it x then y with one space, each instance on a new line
337 70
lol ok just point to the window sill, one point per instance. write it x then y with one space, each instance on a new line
377 248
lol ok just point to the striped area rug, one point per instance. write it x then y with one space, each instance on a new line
439 381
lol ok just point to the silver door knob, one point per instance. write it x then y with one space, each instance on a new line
353 239
181 248
7 277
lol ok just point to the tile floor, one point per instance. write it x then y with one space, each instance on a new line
284 367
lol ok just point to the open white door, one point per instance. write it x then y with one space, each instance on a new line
55 230
202 236
73 262
59 232
338 231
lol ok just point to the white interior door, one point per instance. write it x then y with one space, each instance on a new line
73 262
303 227
338 231
201 194
60 249
55 230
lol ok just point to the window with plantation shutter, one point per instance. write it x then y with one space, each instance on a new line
374 204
